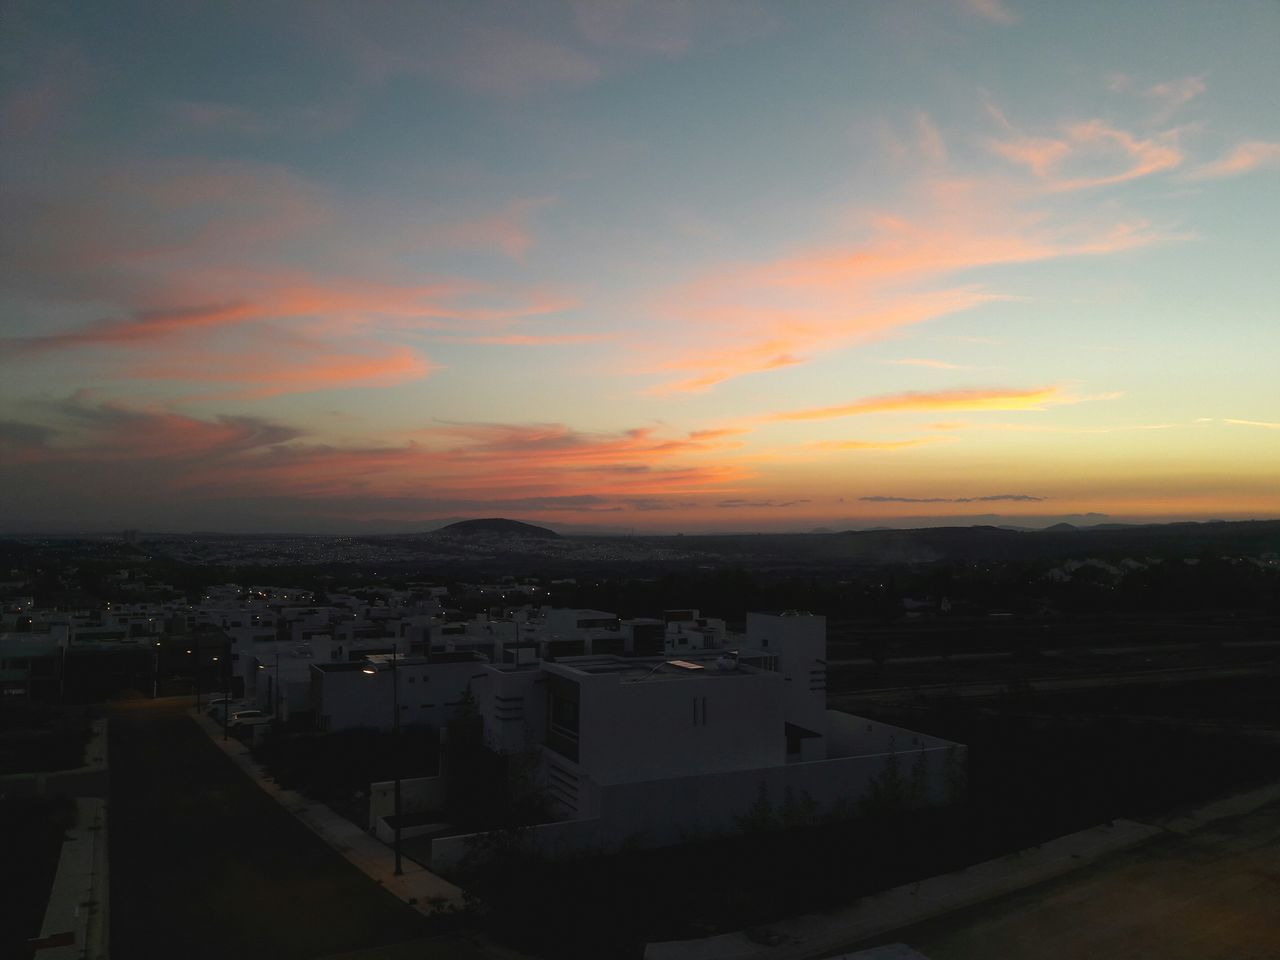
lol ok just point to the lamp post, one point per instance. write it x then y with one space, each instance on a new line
273 687
226 689
395 731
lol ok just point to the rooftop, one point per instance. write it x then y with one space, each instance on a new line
635 670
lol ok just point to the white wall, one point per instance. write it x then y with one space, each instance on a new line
658 813
428 694
514 709
661 727
800 643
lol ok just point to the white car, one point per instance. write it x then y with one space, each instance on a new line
248 718
216 707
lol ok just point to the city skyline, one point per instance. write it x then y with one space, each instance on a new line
679 267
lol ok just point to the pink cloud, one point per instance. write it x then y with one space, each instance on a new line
994 11
1243 158
300 369
508 230
765 316
1093 145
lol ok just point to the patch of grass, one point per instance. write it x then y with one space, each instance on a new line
43 739
336 768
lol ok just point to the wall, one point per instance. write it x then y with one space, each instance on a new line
416 795
800 643
669 727
514 709
428 694
659 813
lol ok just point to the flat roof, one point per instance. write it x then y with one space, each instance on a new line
636 669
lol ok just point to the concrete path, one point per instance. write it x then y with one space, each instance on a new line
76 920
820 935
417 886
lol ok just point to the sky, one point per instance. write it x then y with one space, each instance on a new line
648 266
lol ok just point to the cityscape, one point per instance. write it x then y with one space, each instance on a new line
639 479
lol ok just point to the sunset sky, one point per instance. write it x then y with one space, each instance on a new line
662 266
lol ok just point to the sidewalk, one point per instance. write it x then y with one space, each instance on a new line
816 935
76 920
417 886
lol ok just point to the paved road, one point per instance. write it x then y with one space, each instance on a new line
1212 895
204 864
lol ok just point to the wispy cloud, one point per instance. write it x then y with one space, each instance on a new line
735 504
56 84
306 367
1170 95
870 445
1243 158
765 316
527 339
1266 425
175 455
925 362
993 11
1037 398
1089 145
1012 497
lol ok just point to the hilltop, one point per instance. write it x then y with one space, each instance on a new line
498 526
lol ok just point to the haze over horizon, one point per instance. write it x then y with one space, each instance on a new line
689 266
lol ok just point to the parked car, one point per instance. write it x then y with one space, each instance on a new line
217 706
248 718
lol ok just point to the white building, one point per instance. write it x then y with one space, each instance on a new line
650 751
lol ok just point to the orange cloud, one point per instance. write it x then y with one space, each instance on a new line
271 374
1247 156
243 457
911 402
873 444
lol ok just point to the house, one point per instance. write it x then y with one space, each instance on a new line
647 751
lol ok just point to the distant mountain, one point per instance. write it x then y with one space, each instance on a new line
498 526
1063 527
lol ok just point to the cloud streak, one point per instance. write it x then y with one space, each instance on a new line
1037 398
759 317
991 498
1243 158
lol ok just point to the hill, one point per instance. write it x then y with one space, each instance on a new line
497 527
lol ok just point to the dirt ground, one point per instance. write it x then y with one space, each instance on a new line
1210 895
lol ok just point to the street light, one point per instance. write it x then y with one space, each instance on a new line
226 692
273 691
372 670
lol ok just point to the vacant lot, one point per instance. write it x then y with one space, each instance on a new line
204 864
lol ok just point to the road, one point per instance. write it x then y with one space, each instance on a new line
1209 895
204 864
